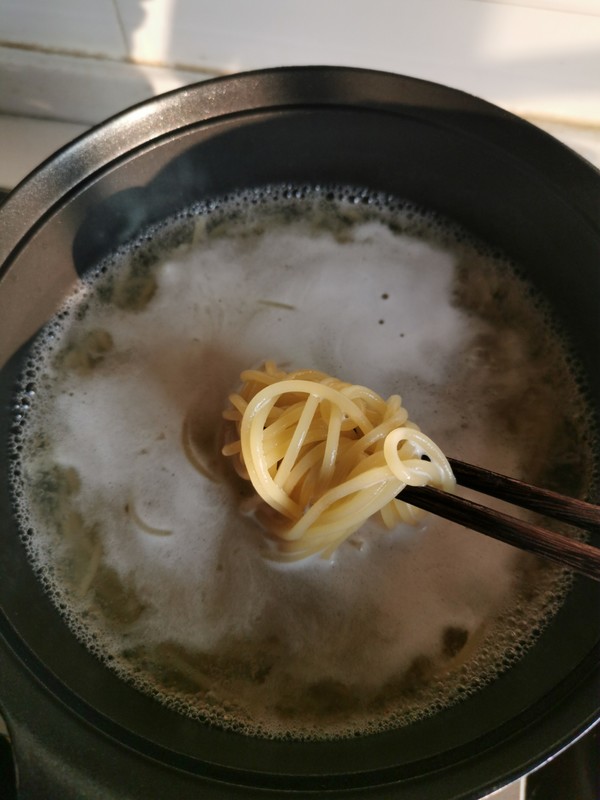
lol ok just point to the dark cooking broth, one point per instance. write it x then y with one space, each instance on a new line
148 556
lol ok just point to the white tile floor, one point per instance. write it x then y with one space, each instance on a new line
536 56
516 791
83 26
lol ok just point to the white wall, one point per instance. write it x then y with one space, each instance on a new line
81 60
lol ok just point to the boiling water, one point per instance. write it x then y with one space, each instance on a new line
151 562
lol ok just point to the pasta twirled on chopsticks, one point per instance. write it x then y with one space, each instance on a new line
324 456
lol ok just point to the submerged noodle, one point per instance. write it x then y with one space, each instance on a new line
324 456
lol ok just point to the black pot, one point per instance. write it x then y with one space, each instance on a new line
79 731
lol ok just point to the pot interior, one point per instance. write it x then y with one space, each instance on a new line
500 179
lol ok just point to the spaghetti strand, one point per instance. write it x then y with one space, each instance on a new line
324 456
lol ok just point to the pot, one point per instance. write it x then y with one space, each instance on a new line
77 729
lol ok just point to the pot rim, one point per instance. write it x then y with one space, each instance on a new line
208 100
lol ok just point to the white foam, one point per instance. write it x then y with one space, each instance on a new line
378 310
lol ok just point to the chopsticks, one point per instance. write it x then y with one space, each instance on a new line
580 556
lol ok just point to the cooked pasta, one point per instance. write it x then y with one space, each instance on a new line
324 455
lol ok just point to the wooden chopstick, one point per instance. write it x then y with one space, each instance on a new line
551 504
582 557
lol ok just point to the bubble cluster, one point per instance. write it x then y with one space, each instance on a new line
397 626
